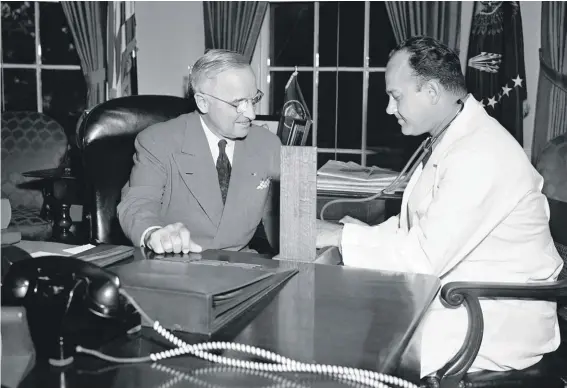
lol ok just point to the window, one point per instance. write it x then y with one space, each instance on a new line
40 67
341 50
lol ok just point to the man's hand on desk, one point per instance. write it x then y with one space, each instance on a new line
328 234
174 238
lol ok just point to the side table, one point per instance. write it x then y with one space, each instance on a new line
60 182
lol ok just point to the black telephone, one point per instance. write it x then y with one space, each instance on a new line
69 302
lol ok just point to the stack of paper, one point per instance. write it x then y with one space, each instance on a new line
352 177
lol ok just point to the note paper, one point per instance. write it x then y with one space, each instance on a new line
79 249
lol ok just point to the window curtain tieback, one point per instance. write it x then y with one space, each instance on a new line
558 79
97 76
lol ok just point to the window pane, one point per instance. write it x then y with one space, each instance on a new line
64 96
277 89
349 116
382 39
18 32
57 46
346 18
323 157
292 34
383 129
20 89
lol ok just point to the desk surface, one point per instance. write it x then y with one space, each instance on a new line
324 314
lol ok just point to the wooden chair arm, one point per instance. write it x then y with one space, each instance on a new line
467 294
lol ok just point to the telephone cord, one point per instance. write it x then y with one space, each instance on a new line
282 364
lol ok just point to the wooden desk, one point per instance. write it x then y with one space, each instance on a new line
325 314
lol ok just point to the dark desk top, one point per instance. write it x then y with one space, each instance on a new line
325 314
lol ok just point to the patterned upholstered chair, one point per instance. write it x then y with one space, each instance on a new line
30 141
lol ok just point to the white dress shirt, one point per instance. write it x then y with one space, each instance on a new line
213 141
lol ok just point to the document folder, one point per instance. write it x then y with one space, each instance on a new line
198 296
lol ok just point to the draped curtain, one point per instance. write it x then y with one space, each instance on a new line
87 21
551 106
438 19
233 25
121 50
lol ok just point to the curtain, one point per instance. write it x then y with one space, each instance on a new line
438 19
233 25
551 106
496 72
87 21
121 50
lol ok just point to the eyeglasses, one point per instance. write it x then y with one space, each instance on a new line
241 105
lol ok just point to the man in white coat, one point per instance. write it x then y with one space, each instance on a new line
473 211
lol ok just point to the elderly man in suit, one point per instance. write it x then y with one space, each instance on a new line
203 180
473 211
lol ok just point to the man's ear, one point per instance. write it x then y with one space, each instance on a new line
202 103
433 90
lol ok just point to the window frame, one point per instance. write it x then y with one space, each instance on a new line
38 66
262 66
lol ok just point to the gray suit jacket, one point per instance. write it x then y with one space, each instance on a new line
174 179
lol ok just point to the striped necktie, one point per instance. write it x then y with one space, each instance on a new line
223 170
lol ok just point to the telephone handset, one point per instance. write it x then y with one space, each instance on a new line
69 302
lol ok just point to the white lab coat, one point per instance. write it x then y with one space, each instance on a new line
474 213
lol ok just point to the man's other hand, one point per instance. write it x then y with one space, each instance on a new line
174 238
328 234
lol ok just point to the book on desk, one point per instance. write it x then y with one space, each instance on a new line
199 296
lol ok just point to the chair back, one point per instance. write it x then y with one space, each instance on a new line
552 165
106 138
30 141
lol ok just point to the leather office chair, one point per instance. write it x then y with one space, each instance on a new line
550 371
106 137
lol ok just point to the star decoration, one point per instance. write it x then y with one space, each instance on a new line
517 81
492 101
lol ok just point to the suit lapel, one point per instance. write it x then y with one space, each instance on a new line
198 170
459 128
423 184
404 221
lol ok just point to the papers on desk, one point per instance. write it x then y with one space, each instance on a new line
43 253
352 177
79 249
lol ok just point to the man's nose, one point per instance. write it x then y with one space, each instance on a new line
391 108
250 112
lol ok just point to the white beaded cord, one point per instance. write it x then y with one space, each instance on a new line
284 364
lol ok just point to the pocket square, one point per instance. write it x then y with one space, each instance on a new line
264 183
